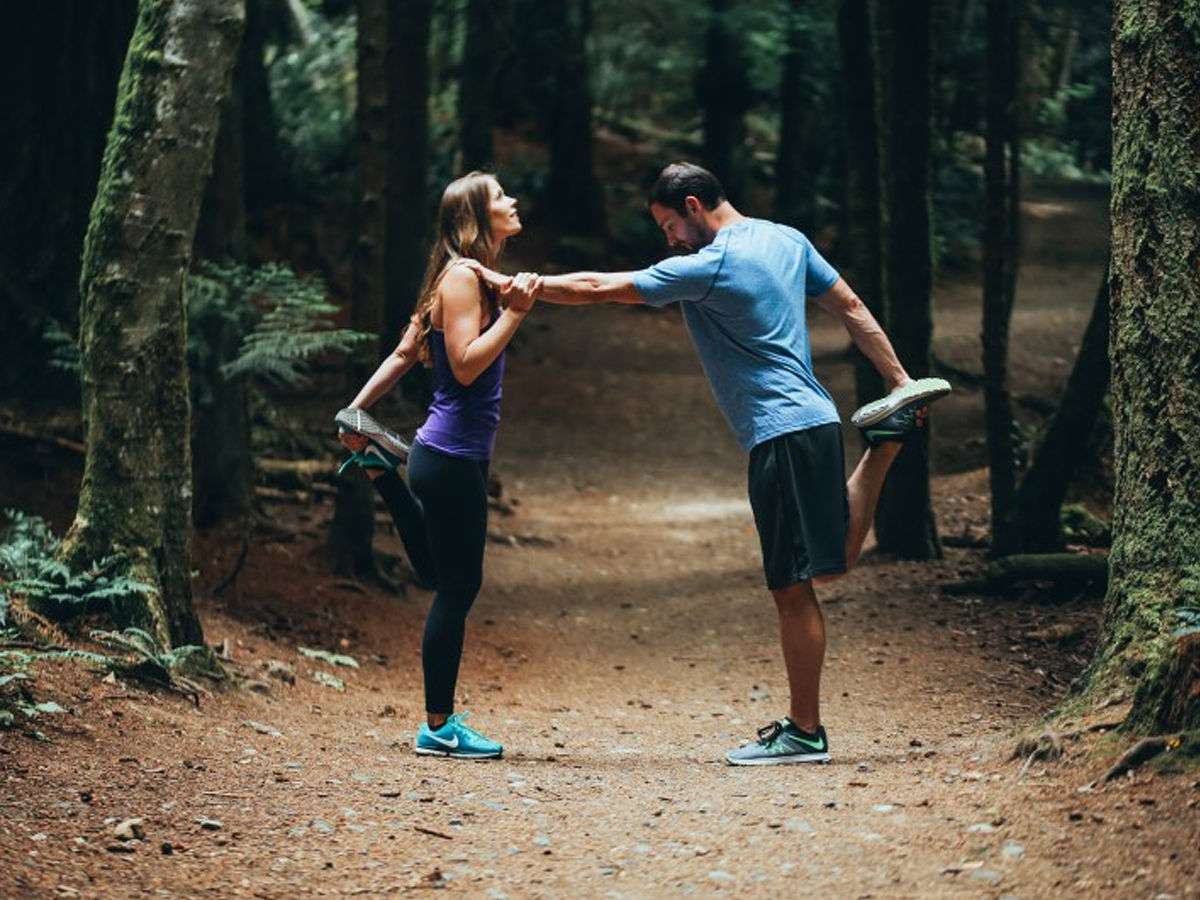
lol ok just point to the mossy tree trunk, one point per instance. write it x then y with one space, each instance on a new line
136 497
862 222
904 524
1155 353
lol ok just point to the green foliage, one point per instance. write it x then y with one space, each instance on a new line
1081 527
313 92
64 348
142 656
283 317
336 659
29 568
1187 619
18 706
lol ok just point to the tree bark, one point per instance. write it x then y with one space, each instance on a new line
352 530
475 85
724 95
1040 496
136 496
407 204
862 223
574 202
59 65
1155 352
797 159
904 524
1000 245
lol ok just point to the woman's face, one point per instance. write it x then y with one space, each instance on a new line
503 213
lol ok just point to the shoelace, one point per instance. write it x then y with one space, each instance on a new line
768 733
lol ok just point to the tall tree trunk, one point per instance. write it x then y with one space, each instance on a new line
137 486
1040 496
904 524
222 456
59 65
862 224
573 194
724 95
475 84
407 206
1155 351
795 191
1000 246
352 530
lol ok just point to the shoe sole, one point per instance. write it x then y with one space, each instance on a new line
361 423
921 392
787 760
423 751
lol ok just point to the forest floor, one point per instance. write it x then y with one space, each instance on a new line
622 643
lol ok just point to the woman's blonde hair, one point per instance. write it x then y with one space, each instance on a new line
464 231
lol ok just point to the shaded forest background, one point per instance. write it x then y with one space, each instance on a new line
899 137
752 89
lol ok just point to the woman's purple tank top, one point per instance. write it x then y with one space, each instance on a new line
463 419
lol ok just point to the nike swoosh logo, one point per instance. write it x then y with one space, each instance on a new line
445 743
816 746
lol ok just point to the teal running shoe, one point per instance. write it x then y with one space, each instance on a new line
457 740
781 743
894 417
369 458
389 446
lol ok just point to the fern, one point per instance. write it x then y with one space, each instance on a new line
284 318
1188 621
64 348
146 658
28 568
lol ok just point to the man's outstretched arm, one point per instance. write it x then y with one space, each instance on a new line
576 287
866 332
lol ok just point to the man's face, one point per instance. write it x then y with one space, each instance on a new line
688 230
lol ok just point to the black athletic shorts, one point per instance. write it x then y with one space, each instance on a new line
801 508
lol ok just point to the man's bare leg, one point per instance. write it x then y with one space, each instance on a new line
802 636
863 488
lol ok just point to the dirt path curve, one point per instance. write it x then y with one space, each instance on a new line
622 643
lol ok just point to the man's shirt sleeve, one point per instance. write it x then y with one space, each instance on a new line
680 278
821 276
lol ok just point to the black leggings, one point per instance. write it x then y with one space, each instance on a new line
452 497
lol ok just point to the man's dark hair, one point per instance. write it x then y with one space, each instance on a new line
684 179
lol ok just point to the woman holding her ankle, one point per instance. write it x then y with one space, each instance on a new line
460 329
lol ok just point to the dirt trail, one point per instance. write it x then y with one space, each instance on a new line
622 643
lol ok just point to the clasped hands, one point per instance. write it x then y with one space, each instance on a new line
517 292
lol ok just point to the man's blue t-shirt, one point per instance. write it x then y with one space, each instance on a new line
743 300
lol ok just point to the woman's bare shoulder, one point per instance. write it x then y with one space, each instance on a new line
459 279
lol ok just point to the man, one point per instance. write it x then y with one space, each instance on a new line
742 288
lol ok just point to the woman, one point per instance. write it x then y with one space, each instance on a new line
460 328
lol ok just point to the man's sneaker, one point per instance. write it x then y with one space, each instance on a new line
392 448
457 740
894 417
781 743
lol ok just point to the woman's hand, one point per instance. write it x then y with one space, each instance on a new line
521 291
486 275
355 443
